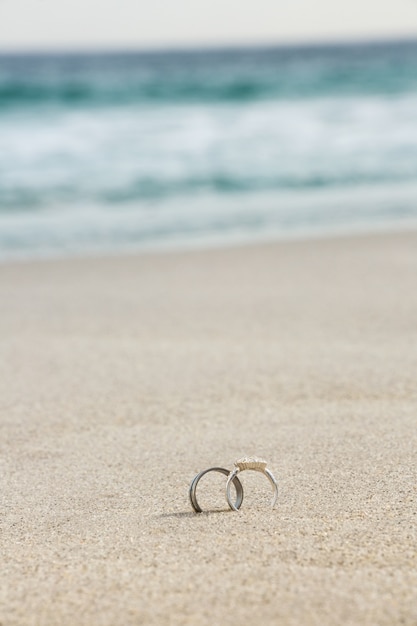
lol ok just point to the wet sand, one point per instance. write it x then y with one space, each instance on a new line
121 378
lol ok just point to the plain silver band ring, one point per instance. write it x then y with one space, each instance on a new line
233 476
238 486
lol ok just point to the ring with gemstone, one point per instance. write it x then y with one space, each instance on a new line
238 486
256 465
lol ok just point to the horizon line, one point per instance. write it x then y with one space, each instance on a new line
371 40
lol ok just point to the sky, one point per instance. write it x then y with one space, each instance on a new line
90 24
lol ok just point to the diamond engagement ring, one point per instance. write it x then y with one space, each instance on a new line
256 465
238 486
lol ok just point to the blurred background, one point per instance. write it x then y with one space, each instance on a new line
125 127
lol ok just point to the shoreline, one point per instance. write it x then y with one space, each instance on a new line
122 377
205 245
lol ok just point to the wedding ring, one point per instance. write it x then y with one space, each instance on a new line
256 465
238 486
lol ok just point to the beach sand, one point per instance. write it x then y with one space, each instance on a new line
121 378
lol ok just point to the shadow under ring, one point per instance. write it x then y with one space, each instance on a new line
238 486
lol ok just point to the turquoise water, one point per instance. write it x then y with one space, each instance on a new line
113 152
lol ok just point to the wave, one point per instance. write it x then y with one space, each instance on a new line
15 93
210 76
147 190
206 221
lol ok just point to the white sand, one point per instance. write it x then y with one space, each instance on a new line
121 378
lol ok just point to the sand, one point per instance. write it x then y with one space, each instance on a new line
121 378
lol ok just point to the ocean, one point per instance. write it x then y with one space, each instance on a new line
119 152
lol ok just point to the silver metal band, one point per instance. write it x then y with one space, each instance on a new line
249 466
238 486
